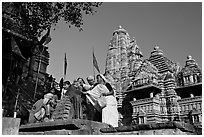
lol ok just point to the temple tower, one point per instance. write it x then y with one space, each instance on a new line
173 109
134 58
117 61
167 70
190 74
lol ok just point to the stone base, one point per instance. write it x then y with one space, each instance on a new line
87 127
10 126
168 128
63 127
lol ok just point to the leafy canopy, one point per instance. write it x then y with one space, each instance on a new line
32 18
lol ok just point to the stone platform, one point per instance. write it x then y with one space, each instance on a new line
63 127
87 127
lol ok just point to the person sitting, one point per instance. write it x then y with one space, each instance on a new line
41 109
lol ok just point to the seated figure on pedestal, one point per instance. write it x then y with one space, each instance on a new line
41 110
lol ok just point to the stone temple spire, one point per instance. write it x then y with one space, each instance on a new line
190 61
156 51
117 61
134 57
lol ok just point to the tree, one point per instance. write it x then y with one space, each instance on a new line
35 17
30 19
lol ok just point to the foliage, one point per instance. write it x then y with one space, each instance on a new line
32 18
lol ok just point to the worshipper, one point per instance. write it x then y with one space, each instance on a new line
66 85
109 112
92 112
91 81
84 99
74 93
41 110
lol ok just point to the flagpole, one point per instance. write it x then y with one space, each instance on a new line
65 66
94 72
93 62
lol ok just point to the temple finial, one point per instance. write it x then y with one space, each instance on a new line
189 57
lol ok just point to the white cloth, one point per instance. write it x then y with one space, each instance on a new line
40 114
110 112
97 91
47 97
63 93
87 87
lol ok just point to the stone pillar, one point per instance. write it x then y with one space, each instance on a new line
191 95
191 79
200 118
151 95
184 80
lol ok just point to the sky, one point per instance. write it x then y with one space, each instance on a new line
175 27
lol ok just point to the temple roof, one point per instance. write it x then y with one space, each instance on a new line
134 48
120 30
162 63
146 69
191 67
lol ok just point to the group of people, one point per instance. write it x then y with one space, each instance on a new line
85 100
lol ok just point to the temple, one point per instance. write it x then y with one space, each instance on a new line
153 90
155 95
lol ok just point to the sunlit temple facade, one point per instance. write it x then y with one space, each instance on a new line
154 89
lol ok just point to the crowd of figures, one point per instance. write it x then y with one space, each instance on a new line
93 101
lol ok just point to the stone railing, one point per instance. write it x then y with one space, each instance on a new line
137 84
188 104
144 101
190 99
148 105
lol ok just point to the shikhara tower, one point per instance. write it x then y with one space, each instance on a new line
117 61
123 59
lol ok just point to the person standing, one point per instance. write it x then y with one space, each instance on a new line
66 85
103 88
75 95
92 112
110 112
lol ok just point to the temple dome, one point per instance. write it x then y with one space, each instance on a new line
120 30
157 51
189 57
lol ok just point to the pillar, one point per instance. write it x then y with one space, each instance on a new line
191 95
151 95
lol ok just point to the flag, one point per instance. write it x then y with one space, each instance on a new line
95 64
61 84
46 38
15 48
65 65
